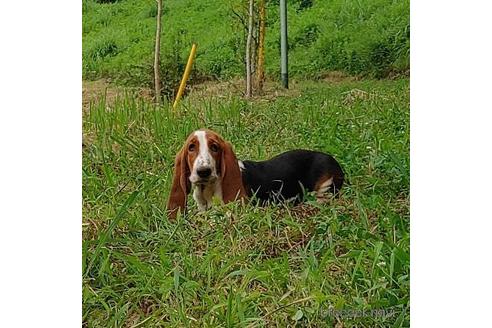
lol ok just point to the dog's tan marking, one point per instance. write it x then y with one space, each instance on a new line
324 184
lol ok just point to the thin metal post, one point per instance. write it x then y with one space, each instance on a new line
283 44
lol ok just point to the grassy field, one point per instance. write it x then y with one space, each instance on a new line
370 38
236 266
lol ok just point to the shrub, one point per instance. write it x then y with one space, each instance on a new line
102 49
107 1
307 36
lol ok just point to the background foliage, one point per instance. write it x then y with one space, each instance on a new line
370 38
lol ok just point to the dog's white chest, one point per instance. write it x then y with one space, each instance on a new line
203 194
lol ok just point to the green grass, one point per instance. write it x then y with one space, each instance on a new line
240 266
370 38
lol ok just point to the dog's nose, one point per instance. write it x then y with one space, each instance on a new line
204 173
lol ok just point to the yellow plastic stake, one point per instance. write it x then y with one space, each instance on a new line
185 75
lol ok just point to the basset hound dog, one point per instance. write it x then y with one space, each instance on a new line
207 164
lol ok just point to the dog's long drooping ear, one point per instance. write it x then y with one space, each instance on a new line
232 183
180 186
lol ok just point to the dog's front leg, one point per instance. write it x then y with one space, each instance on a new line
199 198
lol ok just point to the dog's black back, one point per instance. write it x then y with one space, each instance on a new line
286 175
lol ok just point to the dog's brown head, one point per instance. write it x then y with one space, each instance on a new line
204 158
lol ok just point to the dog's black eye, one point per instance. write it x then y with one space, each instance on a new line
214 148
191 147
